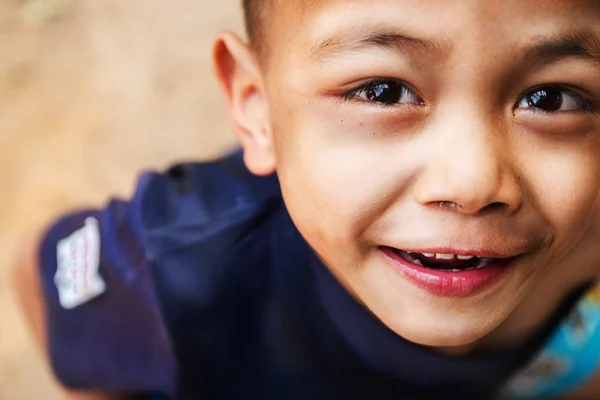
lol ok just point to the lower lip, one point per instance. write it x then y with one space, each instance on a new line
448 283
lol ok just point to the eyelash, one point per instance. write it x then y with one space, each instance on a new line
583 105
357 93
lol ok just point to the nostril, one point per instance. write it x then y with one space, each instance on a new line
496 206
490 208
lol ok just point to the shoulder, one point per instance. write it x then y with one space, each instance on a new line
199 202
203 223
202 214
88 282
202 193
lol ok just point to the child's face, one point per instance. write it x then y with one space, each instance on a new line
465 127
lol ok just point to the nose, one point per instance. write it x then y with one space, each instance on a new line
470 170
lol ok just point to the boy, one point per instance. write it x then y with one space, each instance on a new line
431 227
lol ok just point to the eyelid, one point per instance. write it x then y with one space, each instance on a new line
352 93
375 81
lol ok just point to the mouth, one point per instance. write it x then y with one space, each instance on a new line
450 274
450 262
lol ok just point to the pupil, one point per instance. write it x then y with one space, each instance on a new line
545 99
388 93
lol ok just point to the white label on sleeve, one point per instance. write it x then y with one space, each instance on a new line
77 278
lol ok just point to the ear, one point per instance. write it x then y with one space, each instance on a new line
240 77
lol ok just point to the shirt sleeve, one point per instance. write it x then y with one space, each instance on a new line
104 326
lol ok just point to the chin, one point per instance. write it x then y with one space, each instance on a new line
441 340
443 331
434 320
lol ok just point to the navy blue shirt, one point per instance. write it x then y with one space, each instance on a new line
202 288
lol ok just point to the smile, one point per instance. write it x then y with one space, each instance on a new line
448 262
449 274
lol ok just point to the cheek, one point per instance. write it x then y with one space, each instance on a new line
565 182
336 178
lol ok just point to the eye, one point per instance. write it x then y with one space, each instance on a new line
385 92
553 99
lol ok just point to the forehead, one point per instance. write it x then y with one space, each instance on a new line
303 10
307 24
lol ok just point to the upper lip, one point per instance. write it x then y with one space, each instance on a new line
477 252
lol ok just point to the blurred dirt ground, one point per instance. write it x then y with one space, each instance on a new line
90 93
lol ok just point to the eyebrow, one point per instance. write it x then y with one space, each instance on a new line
354 39
584 45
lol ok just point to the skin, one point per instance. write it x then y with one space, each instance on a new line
357 175
463 161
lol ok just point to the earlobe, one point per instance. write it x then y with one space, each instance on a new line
240 78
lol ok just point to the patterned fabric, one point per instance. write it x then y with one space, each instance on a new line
569 358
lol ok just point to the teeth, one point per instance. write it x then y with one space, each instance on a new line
445 256
417 262
442 256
